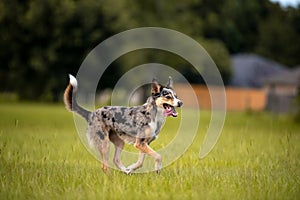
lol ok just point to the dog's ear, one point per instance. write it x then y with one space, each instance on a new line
155 88
170 83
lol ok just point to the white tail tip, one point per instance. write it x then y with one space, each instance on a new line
73 81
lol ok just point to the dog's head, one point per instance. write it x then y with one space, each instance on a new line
165 97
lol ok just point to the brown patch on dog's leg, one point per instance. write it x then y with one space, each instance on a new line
145 148
105 168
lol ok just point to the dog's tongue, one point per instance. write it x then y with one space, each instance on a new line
170 111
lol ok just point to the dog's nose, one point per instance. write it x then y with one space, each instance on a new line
180 103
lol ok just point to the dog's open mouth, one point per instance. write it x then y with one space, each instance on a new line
169 110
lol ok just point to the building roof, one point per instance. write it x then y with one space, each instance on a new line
250 70
290 77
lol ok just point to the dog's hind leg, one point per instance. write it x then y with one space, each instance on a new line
104 150
119 145
102 143
98 138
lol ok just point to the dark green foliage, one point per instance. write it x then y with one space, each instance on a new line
42 41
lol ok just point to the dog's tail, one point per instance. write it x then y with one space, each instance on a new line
70 99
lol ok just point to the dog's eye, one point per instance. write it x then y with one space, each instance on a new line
164 93
168 97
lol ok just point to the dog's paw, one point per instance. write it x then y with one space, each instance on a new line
158 167
158 171
128 171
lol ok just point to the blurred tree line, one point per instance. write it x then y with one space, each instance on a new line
43 40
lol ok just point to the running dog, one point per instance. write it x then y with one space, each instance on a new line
138 125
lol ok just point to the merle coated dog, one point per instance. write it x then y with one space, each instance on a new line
138 125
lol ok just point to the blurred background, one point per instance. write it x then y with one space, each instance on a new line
254 43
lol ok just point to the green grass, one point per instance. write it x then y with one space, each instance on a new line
41 157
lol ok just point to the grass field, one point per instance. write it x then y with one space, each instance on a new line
41 157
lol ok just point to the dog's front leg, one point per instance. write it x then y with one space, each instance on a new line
146 149
138 164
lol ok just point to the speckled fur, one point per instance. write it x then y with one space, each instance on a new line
138 125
